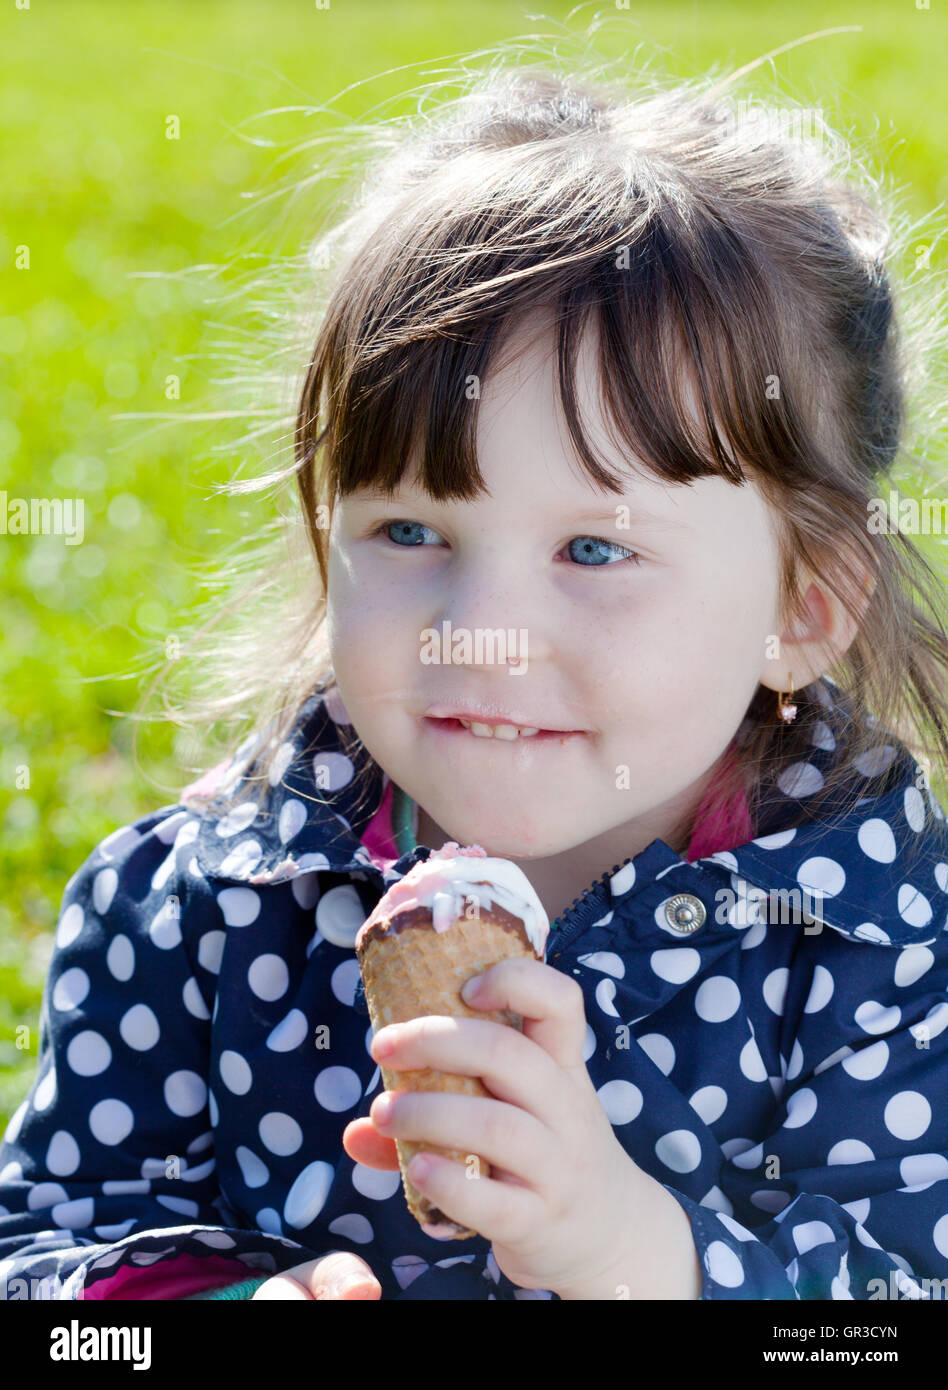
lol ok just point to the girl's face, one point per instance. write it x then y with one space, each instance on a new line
641 643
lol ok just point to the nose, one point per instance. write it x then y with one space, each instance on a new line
494 616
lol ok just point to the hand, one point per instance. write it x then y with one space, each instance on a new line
337 1275
565 1207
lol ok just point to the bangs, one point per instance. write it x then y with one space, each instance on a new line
680 309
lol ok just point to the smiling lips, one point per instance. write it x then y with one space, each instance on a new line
505 730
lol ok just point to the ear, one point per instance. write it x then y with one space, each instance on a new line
821 629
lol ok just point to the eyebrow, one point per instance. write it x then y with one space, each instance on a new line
636 514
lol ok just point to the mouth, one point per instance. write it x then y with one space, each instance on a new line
497 731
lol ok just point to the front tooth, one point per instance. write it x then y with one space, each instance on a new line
481 730
528 733
505 731
465 722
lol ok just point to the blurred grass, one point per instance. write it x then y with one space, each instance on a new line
97 193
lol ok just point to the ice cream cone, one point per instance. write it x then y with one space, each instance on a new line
418 949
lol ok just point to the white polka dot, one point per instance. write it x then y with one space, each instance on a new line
921 1170
723 1265
111 1121
165 928
874 1017
850 1151
868 1062
103 890
268 977
907 1115
821 875
822 737
307 1197
940 1235
874 761
70 989
252 1169
237 819
774 989
911 964
16 1120
659 1049
622 881
607 961
45 1091
268 1220
751 1063
353 1226
120 958
185 1093
709 1102
801 1107
239 906
339 915
679 1150
119 842
717 999
338 1088
280 1133
242 860
941 877
305 889
62 1156
88 1053
212 1109
211 950
914 808
914 907
821 990
194 1000
735 1227
281 761
776 841
378 1184
293 815
235 1073
78 1214
332 771
801 779
868 931
811 1233
70 925
139 1028
605 994
747 1158
621 1100
676 964
876 841
289 1032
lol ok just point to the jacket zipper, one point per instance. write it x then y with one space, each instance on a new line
581 911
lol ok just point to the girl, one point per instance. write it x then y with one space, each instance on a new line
627 369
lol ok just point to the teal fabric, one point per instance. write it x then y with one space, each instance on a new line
402 815
246 1289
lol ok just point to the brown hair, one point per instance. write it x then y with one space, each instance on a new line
704 248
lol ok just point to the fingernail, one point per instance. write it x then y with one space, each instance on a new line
470 991
342 1286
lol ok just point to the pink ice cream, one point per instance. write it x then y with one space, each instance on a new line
448 876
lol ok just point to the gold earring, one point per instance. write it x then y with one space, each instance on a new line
787 712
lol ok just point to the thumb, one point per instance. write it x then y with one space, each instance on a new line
339 1275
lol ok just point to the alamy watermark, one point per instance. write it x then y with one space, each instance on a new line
484 646
43 516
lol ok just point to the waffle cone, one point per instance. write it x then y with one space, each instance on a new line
416 971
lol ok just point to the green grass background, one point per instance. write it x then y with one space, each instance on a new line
95 190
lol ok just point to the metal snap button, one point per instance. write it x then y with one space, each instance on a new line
684 912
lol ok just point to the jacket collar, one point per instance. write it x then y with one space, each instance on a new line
324 790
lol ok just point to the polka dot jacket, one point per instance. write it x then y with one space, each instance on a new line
786 1081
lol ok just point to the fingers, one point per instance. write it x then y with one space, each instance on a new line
339 1275
509 1139
363 1143
550 1003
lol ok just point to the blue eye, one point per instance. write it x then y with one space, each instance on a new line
405 531
595 550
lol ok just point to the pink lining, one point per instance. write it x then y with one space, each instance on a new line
175 1278
720 823
379 836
